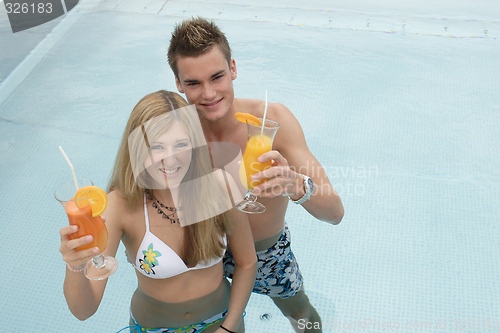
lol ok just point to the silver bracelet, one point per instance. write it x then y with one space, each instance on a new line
75 270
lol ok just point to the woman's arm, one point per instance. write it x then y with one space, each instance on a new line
242 247
83 295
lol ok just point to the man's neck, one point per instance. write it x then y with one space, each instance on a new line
221 130
215 131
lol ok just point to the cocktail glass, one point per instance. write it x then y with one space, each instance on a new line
100 267
260 141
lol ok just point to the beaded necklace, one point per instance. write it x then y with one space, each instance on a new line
171 211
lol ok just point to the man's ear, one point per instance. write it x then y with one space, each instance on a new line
234 71
178 84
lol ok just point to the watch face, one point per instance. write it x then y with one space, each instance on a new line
310 183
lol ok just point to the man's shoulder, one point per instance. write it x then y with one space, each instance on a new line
247 105
257 106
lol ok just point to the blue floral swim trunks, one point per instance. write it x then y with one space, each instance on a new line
278 273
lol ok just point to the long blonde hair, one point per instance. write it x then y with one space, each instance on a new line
200 200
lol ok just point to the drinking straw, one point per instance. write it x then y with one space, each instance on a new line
264 117
71 167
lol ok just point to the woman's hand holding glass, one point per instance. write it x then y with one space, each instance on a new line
75 259
83 210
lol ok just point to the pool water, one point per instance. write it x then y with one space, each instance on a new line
400 103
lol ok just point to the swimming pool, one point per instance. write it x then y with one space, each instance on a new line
401 106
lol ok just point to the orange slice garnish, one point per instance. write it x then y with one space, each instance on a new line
92 196
248 118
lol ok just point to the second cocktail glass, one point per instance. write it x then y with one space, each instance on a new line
260 141
100 267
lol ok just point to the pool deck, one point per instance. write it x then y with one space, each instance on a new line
462 19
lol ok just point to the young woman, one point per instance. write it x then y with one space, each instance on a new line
173 214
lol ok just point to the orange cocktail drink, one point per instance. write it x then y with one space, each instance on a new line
84 203
87 225
256 146
260 141
83 208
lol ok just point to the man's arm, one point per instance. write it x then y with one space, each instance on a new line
292 159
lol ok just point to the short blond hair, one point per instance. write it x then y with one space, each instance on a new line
194 37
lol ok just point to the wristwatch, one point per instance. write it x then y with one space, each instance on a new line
308 188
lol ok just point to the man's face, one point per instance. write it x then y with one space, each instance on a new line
207 82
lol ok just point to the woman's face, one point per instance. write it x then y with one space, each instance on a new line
170 156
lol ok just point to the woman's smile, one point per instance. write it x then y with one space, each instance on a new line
171 172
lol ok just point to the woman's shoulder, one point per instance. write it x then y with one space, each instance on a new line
118 205
116 197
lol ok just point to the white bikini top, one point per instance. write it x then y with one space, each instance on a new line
157 260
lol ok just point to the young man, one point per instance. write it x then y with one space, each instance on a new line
200 57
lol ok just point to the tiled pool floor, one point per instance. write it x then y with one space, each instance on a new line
398 101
